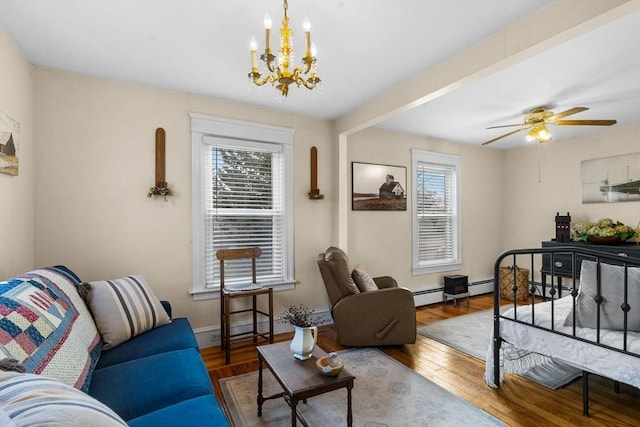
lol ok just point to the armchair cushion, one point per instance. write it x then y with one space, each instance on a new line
363 280
338 263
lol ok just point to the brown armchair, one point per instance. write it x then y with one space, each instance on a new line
371 312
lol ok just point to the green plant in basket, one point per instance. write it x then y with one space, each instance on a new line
604 227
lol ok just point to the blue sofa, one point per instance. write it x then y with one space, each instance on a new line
156 378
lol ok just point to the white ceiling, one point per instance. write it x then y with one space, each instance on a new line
365 48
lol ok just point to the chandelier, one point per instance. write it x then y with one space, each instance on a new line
280 75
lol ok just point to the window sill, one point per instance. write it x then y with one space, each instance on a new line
436 269
214 293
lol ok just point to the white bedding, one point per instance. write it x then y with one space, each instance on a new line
535 342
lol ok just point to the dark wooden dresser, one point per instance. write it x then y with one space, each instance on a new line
560 265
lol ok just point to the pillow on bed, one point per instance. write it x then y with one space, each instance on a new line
124 308
612 292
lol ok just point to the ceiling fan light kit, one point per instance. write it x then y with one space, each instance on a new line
539 133
280 75
536 122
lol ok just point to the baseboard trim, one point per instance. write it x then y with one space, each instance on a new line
435 295
209 336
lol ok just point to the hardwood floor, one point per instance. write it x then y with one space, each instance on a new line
518 402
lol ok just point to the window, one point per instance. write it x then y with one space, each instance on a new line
436 212
242 197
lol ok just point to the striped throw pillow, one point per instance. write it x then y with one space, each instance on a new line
28 400
124 308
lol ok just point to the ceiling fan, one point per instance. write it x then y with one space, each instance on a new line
539 117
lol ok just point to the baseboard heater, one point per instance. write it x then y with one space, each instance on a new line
441 288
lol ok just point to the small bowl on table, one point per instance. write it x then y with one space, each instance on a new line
330 365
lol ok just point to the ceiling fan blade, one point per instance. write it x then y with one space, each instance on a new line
566 113
585 122
502 136
504 126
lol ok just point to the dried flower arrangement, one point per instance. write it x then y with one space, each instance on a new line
165 192
298 315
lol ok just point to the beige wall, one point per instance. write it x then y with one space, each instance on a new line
96 162
532 198
16 192
381 240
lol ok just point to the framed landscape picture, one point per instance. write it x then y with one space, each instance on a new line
377 187
611 179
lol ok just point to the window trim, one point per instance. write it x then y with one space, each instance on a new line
203 127
422 156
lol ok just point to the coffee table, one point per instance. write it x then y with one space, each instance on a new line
299 379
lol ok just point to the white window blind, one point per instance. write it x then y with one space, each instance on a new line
436 212
242 195
244 208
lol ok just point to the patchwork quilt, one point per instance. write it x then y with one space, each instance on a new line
46 326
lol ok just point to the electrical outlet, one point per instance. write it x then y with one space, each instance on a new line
208 338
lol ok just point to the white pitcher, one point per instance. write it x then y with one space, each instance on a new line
304 340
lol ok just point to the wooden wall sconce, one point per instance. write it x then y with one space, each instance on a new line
314 194
161 188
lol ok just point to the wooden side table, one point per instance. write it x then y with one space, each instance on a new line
299 379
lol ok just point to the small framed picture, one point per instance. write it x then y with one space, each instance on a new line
377 187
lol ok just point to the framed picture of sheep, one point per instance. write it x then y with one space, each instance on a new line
377 187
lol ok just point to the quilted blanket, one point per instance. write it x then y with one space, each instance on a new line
526 346
46 326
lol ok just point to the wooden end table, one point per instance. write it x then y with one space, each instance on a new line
300 379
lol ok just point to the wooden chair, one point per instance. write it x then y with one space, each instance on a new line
226 295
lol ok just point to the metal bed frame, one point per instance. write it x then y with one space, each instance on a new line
577 254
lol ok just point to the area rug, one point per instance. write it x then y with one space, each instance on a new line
385 393
470 333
